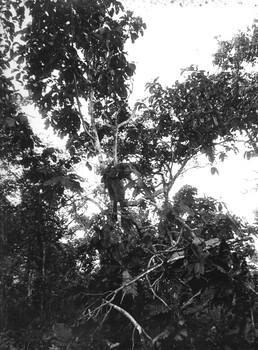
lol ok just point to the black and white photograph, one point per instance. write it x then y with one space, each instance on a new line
128 174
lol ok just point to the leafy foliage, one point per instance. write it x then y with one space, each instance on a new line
164 272
81 57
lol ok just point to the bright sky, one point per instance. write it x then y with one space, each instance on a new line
177 37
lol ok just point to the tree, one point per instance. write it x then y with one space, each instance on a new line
237 61
162 272
82 57
165 277
34 183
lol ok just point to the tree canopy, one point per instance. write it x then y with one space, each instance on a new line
151 270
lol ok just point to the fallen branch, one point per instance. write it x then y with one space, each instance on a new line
110 295
139 328
113 293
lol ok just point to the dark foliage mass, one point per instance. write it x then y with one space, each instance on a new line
152 270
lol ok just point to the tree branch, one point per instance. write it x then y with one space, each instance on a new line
139 328
169 185
153 291
191 299
113 293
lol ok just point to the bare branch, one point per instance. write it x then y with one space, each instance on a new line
139 328
153 291
191 299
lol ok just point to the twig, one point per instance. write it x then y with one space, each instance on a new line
105 316
247 286
153 291
191 299
179 236
153 284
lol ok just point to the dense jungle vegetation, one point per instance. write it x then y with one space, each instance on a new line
149 270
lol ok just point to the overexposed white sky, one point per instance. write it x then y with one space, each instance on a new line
178 36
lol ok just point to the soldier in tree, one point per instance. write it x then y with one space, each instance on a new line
113 179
